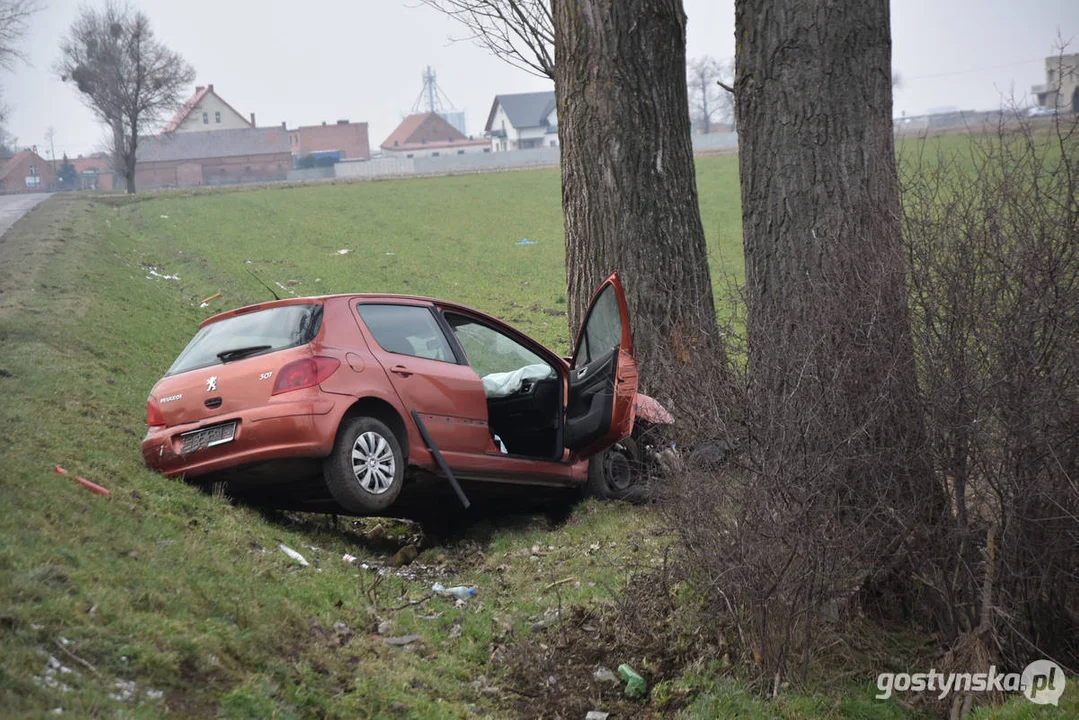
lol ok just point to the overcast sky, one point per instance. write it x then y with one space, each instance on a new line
308 62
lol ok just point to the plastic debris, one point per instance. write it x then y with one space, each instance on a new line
294 555
636 687
92 487
460 592
349 558
526 241
605 675
164 217
210 299
343 251
155 273
597 715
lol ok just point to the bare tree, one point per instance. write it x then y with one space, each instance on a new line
126 77
14 23
708 101
518 31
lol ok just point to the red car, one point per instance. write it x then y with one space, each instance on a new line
374 389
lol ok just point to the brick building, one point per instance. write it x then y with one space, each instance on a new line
26 172
213 157
350 139
94 172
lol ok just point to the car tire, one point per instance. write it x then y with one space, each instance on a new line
616 473
366 469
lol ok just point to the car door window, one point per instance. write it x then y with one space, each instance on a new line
602 330
489 351
407 330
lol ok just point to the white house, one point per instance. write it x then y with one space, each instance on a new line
523 120
206 110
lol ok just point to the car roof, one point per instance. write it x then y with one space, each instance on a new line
307 300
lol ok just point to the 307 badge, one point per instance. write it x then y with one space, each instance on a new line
265 375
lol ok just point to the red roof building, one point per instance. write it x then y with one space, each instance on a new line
429 135
26 172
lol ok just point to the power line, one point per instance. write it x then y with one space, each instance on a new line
973 70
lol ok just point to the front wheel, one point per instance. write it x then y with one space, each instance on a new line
616 474
366 469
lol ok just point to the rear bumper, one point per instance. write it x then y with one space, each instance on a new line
304 428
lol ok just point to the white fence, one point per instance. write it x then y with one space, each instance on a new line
384 167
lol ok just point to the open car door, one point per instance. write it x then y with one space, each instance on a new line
603 375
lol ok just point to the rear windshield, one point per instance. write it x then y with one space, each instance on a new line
278 328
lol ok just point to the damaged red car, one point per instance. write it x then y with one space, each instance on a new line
353 396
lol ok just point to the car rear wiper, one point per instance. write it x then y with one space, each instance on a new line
237 353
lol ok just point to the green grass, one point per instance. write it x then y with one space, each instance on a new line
187 595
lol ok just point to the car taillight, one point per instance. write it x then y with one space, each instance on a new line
154 416
304 374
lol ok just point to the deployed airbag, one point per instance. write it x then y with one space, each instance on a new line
504 384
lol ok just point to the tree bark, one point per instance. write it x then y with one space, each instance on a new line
828 324
629 192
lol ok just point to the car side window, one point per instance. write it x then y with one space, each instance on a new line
407 330
489 351
603 328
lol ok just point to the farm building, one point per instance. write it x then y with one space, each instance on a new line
347 139
429 135
214 157
26 172
94 172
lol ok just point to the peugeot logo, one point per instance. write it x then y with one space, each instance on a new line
211 383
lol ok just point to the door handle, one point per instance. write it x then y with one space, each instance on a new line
582 372
400 370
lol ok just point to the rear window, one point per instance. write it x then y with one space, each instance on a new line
276 328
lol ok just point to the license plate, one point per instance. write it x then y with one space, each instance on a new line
207 437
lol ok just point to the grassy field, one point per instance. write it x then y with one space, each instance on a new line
160 597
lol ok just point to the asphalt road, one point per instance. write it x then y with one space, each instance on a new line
13 207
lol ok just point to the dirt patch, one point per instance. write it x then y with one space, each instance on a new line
560 671
27 247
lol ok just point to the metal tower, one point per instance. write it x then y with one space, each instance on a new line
432 99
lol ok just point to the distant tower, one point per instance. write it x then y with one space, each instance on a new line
432 99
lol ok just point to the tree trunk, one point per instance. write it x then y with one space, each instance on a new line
629 192
830 345
130 159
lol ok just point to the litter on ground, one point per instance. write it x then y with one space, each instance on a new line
294 555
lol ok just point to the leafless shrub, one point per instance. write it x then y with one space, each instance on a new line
993 238
972 532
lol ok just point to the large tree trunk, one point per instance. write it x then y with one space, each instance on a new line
830 351
629 192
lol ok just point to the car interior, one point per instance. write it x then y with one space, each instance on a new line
524 392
